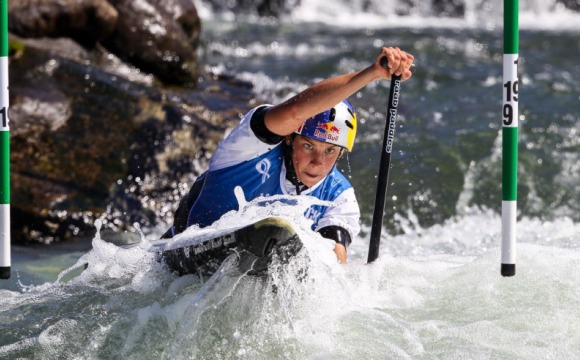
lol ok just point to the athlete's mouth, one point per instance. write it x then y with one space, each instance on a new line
313 176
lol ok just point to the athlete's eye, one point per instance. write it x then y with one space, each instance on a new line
308 146
330 151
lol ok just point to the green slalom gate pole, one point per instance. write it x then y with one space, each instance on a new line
4 147
509 138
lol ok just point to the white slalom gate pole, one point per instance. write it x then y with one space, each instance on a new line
509 138
4 147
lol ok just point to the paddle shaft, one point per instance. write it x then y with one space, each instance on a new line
385 164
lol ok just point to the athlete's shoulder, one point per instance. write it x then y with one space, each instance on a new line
240 145
331 187
338 180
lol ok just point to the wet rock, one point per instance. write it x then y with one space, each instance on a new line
570 4
444 8
88 142
86 21
274 8
158 37
449 8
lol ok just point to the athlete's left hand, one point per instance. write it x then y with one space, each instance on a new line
399 62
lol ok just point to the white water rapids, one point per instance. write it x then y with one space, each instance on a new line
435 291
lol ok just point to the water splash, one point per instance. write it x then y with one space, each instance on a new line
433 292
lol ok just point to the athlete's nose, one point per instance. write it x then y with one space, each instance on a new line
317 158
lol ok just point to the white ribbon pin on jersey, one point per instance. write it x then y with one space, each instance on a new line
263 168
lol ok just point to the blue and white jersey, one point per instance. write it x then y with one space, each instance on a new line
241 159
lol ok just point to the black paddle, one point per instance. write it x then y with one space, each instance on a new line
382 183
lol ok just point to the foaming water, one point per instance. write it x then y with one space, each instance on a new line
433 292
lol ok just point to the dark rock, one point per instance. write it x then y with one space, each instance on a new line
267 8
89 143
159 37
86 21
570 4
443 8
449 8
185 14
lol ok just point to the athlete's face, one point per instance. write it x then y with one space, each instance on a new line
313 159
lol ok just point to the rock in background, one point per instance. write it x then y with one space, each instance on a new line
110 114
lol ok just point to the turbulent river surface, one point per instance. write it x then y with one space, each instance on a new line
436 289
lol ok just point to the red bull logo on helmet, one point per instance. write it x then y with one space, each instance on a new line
328 127
327 131
336 125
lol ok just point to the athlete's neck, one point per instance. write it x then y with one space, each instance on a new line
291 172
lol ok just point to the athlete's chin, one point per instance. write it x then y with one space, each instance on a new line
310 179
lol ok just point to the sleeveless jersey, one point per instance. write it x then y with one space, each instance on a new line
262 176
258 168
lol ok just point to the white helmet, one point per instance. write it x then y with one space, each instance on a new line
336 126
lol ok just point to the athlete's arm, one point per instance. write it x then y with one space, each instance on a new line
342 238
258 126
285 118
243 143
341 222
340 251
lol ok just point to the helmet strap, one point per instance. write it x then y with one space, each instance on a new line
290 171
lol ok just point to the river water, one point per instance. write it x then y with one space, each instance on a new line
436 289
